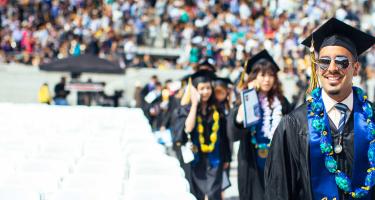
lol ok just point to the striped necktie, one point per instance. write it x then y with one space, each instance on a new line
343 110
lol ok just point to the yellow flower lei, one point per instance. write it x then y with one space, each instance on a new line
208 148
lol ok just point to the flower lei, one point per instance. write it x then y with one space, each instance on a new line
208 148
261 146
316 111
266 127
271 117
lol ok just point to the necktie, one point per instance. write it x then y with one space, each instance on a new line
343 110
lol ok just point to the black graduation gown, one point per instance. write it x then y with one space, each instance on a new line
287 172
179 116
224 109
164 116
144 105
204 179
250 177
146 110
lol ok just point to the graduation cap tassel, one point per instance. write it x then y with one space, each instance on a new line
241 82
314 79
186 96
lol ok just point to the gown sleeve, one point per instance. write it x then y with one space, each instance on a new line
281 173
235 130
168 117
286 106
178 125
225 142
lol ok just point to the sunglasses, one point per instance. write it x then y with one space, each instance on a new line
341 62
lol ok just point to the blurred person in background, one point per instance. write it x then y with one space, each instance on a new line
61 93
163 106
44 95
222 92
150 105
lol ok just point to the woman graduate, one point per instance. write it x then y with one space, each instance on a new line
325 149
255 140
178 122
204 127
222 93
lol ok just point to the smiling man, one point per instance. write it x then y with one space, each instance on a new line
325 149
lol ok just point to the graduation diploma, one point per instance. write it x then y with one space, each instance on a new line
251 107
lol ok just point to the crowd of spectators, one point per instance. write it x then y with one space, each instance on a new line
230 31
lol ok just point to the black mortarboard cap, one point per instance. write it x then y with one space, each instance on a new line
256 58
224 81
207 62
203 74
185 77
337 33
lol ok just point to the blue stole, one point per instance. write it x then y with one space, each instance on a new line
260 138
323 182
213 157
259 135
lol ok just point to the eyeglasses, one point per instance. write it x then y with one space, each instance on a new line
341 62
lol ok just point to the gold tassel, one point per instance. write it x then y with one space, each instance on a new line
165 95
242 81
185 100
314 83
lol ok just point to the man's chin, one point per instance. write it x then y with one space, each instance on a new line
332 88
333 92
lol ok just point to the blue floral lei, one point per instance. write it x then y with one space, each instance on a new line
316 112
254 141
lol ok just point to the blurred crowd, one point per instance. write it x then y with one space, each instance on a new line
230 31
226 33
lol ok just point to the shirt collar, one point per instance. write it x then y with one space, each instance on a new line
330 103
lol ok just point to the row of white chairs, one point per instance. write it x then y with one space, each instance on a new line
151 174
79 153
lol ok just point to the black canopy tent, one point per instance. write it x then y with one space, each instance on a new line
85 93
83 63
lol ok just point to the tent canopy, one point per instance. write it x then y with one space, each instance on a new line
83 63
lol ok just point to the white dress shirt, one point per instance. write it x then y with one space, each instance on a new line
333 113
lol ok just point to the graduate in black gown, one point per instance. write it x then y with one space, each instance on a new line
203 122
150 104
324 149
222 91
179 113
178 122
255 140
163 107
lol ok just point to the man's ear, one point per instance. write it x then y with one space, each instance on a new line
357 67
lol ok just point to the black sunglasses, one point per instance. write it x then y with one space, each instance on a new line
341 62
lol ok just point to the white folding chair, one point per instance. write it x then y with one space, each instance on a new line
146 194
159 182
74 194
7 193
